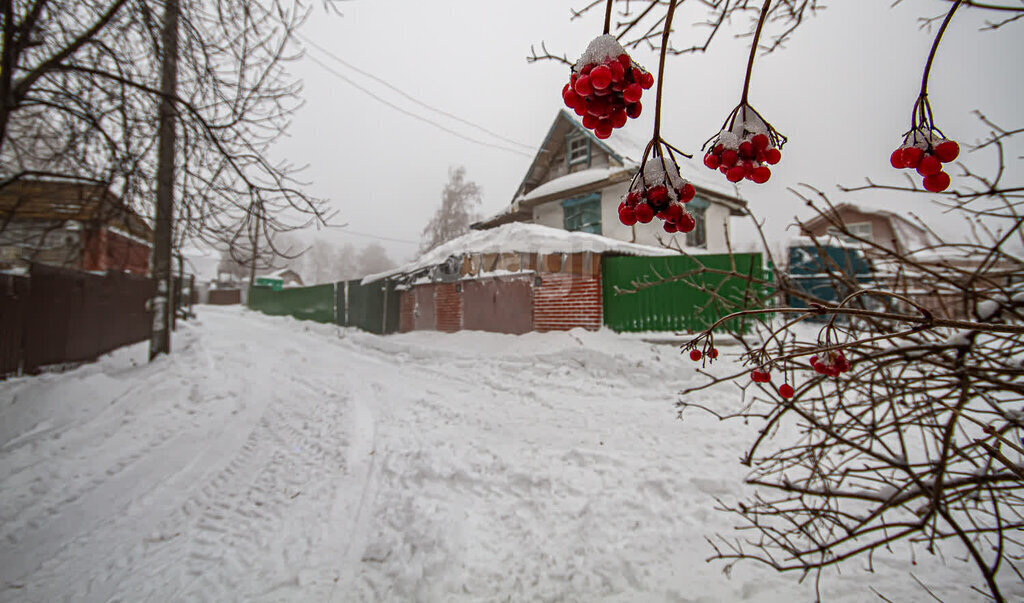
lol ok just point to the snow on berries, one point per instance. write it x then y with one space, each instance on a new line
605 86
832 363
745 147
925 150
658 191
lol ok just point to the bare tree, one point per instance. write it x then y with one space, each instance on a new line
452 219
900 424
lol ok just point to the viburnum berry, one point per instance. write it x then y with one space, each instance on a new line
786 391
925 149
713 353
759 376
606 85
745 147
659 191
695 355
832 364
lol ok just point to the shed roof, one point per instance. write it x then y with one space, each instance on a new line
522 238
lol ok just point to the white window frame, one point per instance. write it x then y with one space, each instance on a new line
864 230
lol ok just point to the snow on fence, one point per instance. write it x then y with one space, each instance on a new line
58 316
695 296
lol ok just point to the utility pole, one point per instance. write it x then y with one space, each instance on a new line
160 341
255 252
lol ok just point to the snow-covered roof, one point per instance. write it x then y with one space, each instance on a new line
522 238
574 180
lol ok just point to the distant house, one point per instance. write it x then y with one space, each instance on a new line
279 279
71 224
885 228
576 182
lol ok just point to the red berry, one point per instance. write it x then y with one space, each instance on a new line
603 129
736 173
814 360
597 107
772 156
786 391
929 165
589 121
729 157
632 93
758 376
686 223
600 77
583 87
896 159
695 355
632 198
687 193
947 151
670 227
624 61
761 174
912 157
619 118
587 69
617 70
581 109
627 216
644 213
760 142
646 80
572 100
936 183
657 195
713 353
633 109
711 161
746 150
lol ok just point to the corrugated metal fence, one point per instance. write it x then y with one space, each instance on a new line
57 316
373 307
696 294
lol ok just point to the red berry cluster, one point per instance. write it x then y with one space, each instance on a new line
660 193
759 376
696 355
605 87
832 364
746 157
926 155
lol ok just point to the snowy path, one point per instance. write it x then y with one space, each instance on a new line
269 459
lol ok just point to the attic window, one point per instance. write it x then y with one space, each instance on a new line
859 229
577 150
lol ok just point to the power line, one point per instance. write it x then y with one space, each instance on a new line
373 236
411 114
412 98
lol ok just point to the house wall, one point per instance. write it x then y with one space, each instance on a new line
448 304
566 301
716 216
44 242
881 229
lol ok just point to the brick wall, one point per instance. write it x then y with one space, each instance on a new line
564 301
405 312
449 307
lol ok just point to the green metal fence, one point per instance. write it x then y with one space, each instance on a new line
373 307
305 303
693 296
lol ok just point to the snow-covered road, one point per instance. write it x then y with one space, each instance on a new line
272 459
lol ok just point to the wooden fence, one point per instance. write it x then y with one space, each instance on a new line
58 316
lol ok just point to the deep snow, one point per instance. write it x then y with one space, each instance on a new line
272 459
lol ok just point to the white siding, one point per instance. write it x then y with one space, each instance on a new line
550 214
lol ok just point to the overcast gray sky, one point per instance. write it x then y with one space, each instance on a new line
842 91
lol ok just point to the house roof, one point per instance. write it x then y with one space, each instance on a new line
626 153
910 236
520 237
67 200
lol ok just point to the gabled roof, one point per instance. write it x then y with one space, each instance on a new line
625 152
69 200
910 236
